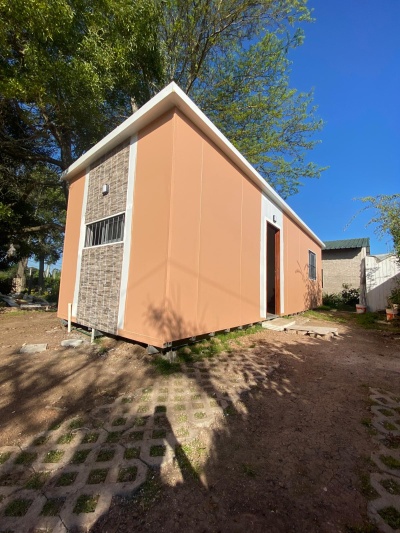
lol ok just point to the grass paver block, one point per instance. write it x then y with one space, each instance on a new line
90 438
4 456
53 456
391 486
390 462
66 439
37 480
79 457
105 455
52 507
132 453
76 424
18 507
39 441
86 504
97 476
127 474
26 458
66 479
159 434
157 451
114 436
391 516
136 435
120 421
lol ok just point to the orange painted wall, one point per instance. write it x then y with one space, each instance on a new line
300 292
195 258
147 278
71 244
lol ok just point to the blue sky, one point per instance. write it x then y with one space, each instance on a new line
351 58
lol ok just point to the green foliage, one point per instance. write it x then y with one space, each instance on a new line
232 57
386 209
348 297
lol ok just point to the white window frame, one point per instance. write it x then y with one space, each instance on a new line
104 229
312 275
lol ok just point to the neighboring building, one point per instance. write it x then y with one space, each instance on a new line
172 234
341 263
380 274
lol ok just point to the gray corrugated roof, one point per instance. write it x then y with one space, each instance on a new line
347 243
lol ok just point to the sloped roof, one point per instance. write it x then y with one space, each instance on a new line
347 243
172 96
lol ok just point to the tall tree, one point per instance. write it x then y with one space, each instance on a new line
386 216
232 58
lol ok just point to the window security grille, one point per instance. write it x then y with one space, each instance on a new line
312 265
105 231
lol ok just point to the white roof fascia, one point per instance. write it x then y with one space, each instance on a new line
173 96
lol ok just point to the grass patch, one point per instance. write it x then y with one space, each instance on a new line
366 528
161 409
39 441
26 458
66 439
367 423
162 398
199 415
105 455
391 486
37 480
386 412
136 435
182 418
66 479
79 457
114 436
179 407
86 504
143 408
389 426
182 432
229 411
366 488
76 424
159 434
52 507
165 367
131 453
391 516
18 507
390 462
120 421
249 470
53 456
141 421
97 476
127 399
127 474
4 457
157 451
392 441
89 438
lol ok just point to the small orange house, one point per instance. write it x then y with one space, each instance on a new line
172 234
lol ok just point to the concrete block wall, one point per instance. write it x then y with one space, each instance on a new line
340 267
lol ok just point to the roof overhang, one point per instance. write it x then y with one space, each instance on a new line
170 97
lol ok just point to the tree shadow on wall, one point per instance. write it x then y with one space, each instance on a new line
312 295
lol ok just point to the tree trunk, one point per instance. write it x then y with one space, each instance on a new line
21 275
41 274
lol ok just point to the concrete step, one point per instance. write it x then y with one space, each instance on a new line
278 324
317 331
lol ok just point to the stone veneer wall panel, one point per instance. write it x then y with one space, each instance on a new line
99 287
113 170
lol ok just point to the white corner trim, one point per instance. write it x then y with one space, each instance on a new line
268 211
82 235
127 231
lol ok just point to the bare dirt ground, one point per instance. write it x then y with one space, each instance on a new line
292 454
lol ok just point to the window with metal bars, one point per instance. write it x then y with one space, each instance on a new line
312 265
105 231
